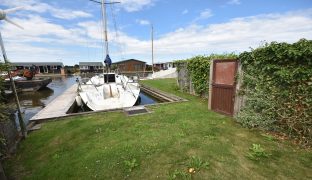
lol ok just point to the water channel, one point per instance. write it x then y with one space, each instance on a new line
33 102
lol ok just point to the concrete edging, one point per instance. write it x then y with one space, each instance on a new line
167 97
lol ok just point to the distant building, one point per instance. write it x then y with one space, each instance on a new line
43 67
130 65
164 65
91 67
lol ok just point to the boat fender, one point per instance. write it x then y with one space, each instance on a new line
78 100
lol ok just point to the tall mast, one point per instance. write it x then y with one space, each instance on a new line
104 21
152 36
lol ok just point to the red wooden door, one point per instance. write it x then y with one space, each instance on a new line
223 86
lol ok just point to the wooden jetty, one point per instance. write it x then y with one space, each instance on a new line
160 95
58 107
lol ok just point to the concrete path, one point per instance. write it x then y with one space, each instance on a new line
162 74
59 106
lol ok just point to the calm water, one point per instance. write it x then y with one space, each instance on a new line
146 99
33 102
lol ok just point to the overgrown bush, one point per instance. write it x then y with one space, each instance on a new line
198 69
4 113
277 83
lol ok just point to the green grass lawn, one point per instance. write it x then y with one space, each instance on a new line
166 144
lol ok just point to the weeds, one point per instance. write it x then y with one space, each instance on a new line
268 137
196 164
178 174
56 156
131 164
211 137
256 152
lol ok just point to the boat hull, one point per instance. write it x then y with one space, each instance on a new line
100 96
29 85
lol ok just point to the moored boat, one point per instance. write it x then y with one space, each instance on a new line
24 85
109 91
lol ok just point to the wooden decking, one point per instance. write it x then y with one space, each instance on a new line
160 95
58 107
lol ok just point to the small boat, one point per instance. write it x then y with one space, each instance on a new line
24 85
116 92
25 80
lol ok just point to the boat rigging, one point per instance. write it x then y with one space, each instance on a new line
113 91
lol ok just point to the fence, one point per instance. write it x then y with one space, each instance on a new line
184 79
185 84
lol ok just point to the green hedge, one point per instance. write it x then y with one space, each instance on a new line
198 68
277 82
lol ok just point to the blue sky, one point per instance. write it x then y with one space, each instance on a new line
70 31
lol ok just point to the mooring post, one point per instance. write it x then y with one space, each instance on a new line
210 84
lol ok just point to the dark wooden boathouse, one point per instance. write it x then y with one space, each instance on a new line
130 65
91 67
42 67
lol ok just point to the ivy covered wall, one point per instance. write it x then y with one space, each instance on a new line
194 72
277 84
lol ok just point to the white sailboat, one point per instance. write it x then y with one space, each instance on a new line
108 90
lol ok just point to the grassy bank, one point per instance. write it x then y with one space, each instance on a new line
166 144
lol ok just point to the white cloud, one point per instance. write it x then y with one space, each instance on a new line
35 53
39 7
235 35
234 2
43 39
11 3
143 22
68 14
185 11
135 5
38 29
205 14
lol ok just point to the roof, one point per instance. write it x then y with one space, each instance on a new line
128 60
37 63
90 64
